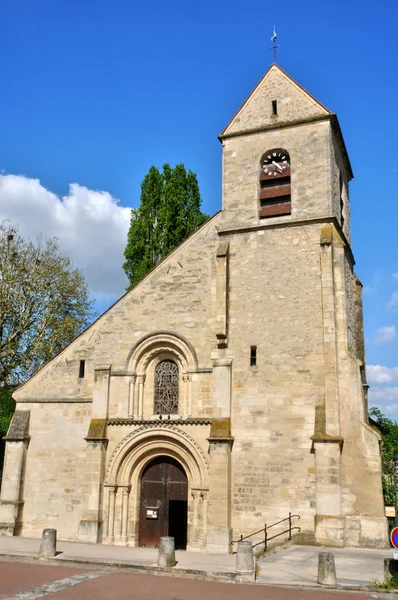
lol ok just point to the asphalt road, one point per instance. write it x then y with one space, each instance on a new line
31 581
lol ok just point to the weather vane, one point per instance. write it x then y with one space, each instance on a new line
275 46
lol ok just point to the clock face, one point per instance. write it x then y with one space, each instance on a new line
275 163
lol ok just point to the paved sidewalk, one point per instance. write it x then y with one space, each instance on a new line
296 565
119 555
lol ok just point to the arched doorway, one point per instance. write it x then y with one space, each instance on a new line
163 503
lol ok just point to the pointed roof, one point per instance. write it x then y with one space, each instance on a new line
294 106
294 102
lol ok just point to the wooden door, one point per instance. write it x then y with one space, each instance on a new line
163 503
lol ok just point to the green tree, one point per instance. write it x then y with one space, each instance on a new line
169 212
7 406
143 250
44 304
389 456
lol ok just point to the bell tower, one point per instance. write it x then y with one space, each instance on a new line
284 158
293 296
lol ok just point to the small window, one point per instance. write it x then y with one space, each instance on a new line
274 107
82 368
274 194
253 356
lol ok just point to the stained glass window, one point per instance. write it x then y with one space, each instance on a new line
166 388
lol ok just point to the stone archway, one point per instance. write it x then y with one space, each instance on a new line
141 364
126 468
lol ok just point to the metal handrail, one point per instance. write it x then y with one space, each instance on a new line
265 531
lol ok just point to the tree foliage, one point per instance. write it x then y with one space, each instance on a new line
169 212
7 407
44 304
389 455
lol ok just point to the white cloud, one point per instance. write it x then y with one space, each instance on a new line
379 394
390 411
392 304
380 374
395 275
90 225
386 335
386 399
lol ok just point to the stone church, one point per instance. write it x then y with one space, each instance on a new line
228 388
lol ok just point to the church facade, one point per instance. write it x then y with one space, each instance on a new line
228 388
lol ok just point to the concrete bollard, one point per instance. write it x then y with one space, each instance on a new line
167 555
48 544
244 557
245 567
326 569
390 568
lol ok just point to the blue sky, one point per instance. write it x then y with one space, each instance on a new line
95 92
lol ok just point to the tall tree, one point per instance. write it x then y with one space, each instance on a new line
169 212
44 304
389 456
143 250
194 217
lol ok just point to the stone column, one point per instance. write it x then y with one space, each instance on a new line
102 374
327 440
219 518
90 526
331 383
140 381
17 441
205 504
111 513
131 407
195 521
125 512
189 395
222 374
329 522
222 301
183 403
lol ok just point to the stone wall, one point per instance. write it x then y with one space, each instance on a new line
309 148
275 305
53 482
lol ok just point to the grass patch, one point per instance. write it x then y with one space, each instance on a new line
392 584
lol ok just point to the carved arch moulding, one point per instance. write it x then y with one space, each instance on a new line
146 349
142 445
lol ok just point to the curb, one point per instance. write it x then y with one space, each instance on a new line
221 576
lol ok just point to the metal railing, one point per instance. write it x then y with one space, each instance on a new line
267 527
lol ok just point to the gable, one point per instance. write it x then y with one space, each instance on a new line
173 296
293 103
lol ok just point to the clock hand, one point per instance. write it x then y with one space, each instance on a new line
277 166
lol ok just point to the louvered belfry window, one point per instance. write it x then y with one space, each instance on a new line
275 191
166 388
